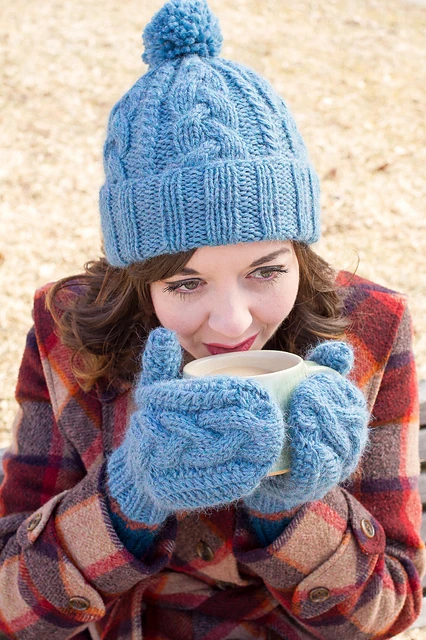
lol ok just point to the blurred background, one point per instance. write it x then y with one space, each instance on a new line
352 71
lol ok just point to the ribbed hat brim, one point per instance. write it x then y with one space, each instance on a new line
272 198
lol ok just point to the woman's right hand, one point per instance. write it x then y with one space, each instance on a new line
191 443
328 430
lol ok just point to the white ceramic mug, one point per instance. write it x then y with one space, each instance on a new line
279 372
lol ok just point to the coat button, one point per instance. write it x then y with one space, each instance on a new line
78 603
34 522
368 528
204 551
320 594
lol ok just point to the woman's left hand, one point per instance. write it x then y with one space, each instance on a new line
328 430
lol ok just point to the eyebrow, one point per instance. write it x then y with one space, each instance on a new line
187 271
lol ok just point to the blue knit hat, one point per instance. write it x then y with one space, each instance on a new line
201 151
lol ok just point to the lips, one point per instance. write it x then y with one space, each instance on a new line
215 349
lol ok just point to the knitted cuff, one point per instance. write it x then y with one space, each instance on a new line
261 502
267 516
132 499
274 495
137 538
267 529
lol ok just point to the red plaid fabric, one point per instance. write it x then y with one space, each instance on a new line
347 566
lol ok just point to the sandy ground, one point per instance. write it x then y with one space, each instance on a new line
352 71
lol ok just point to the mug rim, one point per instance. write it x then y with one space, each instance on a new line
225 356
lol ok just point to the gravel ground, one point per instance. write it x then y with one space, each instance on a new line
352 71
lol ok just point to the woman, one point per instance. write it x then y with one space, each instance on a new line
138 504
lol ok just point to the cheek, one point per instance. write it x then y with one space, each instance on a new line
173 313
182 323
276 305
275 309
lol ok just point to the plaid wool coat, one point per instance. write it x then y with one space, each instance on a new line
348 566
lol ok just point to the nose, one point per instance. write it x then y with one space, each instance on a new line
230 315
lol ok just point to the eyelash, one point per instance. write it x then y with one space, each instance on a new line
173 287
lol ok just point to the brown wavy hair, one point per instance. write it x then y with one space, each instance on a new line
105 314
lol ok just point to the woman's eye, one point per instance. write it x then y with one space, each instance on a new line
264 274
189 285
268 273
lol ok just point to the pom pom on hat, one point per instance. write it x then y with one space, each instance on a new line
180 28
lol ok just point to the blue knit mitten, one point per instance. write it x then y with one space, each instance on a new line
328 429
191 443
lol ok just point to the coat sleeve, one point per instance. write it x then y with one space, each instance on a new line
62 565
354 560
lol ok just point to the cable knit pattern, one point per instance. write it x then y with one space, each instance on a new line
206 122
201 151
328 430
191 443
236 75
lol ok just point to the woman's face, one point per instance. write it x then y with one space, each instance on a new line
229 298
